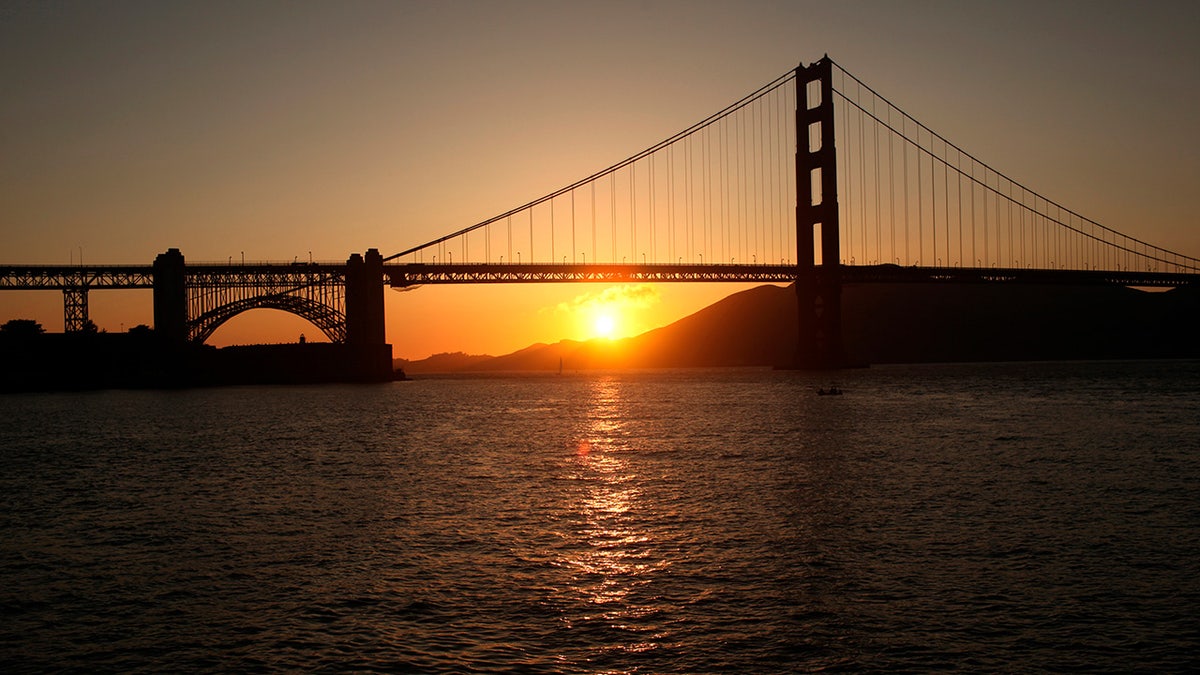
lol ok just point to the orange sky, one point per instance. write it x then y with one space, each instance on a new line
280 130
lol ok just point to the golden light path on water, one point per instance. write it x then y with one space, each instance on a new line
615 555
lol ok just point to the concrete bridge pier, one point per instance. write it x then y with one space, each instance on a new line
364 299
365 326
170 297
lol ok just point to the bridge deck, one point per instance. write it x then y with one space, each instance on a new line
99 277
416 274
59 277
408 275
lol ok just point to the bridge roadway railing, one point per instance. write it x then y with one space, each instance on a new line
275 276
62 277
408 275
98 277
851 274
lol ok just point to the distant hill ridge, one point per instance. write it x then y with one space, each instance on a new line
887 323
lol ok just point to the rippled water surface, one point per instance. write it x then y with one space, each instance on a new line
989 517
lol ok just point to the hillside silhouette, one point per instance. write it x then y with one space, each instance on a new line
888 323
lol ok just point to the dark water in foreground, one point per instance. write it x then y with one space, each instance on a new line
987 517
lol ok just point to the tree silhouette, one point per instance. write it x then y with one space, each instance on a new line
22 327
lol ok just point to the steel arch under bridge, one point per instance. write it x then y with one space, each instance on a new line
344 301
216 294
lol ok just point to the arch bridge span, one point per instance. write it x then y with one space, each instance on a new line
344 301
191 301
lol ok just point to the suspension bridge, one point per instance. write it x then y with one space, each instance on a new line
814 179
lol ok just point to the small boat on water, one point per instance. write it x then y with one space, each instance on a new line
832 391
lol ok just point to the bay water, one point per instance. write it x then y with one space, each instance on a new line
983 517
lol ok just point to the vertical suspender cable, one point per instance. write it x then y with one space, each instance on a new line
762 182
723 183
936 259
986 226
958 179
671 202
633 212
848 174
904 156
862 173
612 212
920 198
708 193
878 216
653 220
973 184
891 183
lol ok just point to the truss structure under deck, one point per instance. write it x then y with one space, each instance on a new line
217 293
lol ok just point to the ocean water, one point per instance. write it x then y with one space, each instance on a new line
993 517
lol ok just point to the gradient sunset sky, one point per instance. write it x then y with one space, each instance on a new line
280 130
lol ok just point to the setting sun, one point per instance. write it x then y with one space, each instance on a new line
605 326
611 313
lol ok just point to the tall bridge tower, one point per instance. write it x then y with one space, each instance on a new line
818 287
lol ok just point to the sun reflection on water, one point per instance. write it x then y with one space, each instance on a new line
612 560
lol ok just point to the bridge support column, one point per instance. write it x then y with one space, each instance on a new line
170 297
364 299
75 308
365 335
818 287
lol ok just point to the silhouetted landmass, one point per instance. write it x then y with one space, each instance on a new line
443 363
904 323
882 323
139 359
890 323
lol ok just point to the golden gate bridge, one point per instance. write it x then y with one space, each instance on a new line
814 179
